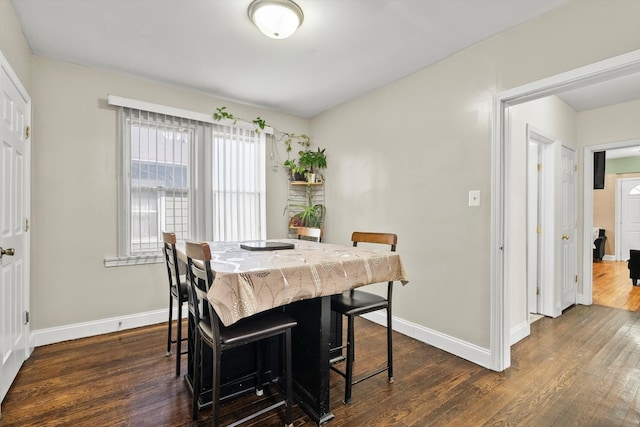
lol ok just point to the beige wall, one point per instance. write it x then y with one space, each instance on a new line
13 45
604 211
401 158
410 152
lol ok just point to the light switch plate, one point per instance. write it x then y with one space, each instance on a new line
474 198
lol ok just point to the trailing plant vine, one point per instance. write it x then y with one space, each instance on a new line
299 165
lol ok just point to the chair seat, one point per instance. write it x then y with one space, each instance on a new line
354 303
250 329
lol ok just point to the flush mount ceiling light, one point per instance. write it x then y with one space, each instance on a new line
277 19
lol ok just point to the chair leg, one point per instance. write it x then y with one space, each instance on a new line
169 325
350 359
288 376
197 372
389 346
259 380
215 386
179 338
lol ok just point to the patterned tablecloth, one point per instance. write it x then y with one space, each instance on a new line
248 282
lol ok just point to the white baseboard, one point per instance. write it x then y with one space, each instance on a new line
471 352
609 258
465 350
54 335
519 332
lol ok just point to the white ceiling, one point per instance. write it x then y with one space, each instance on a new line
609 92
344 48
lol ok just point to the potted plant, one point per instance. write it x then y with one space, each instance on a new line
310 216
297 172
312 161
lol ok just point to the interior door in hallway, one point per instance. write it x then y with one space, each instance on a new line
629 216
568 262
14 241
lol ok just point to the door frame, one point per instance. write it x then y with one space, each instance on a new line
587 219
500 348
619 256
546 213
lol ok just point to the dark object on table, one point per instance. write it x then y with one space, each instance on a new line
261 245
598 243
354 303
634 266
179 291
211 332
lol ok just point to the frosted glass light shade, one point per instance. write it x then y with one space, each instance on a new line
277 19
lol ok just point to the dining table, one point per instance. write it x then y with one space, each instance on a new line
299 277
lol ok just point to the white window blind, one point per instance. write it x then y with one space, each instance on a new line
238 184
158 178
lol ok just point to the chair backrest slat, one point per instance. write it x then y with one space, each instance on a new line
370 237
308 233
200 277
171 258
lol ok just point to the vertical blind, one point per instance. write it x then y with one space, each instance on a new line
158 177
201 181
238 184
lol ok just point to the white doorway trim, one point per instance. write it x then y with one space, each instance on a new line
541 244
618 252
500 348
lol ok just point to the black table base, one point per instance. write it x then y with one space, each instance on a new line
312 338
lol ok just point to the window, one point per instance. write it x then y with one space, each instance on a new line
198 179
158 178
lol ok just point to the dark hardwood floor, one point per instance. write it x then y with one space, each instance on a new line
581 369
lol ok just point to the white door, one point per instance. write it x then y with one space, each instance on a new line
629 216
568 263
14 240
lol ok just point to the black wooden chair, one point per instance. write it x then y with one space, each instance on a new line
355 303
211 332
178 291
598 245
308 233
634 266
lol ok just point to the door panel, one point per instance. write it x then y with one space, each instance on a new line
568 228
14 196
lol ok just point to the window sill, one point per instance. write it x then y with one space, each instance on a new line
133 260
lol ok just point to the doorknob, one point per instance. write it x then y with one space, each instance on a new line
565 237
9 251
